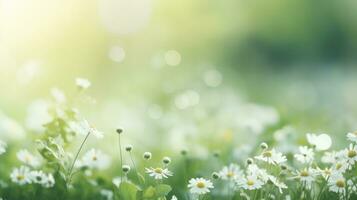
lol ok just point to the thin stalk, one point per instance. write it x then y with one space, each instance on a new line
136 170
75 159
121 161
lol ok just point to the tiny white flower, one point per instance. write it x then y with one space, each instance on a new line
21 175
3 146
272 157
38 177
82 83
173 197
320 142
83 128
250 182
158 173
326 173
95 159
352 137
306 154
50 181
307 176
280 185
351 155
27 158
116 181
108 194
231 172
200 186
337 183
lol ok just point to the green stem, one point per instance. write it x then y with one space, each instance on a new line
121 161
75 159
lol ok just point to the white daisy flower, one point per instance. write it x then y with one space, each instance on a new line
321 142
27 158
337 183
200 186
307 176
329 157
254 170
108 194
95 159
50 181
326 173
280 185
21 175
158 173
306 154
352 137
3 146
272 157
83 83
83 128
38 177
351 155
340 167
231 172
250 182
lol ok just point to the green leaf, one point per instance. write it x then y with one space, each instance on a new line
141 179
127 191
149 193
162 190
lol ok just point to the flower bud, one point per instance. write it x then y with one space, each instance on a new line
126 168
249 161
166 160
215 175
128 148
147 155
263 145
119 131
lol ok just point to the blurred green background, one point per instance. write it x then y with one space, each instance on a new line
298 56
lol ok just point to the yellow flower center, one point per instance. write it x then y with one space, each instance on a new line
250 182
267 154
351 153
338 166
327 171
20 177
158 170
230 174
355 133
95 158
340 183
304 173
200 184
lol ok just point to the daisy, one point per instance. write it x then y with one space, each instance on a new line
339 167
83 128
306 155
326 173
352 137
50 181
158 173
21 175
280 185
38 177
307 176
337 184
200 186
27 158
250 182
95 159
271 157
351 155
2 147
320 142
82 83
254 170
231 172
